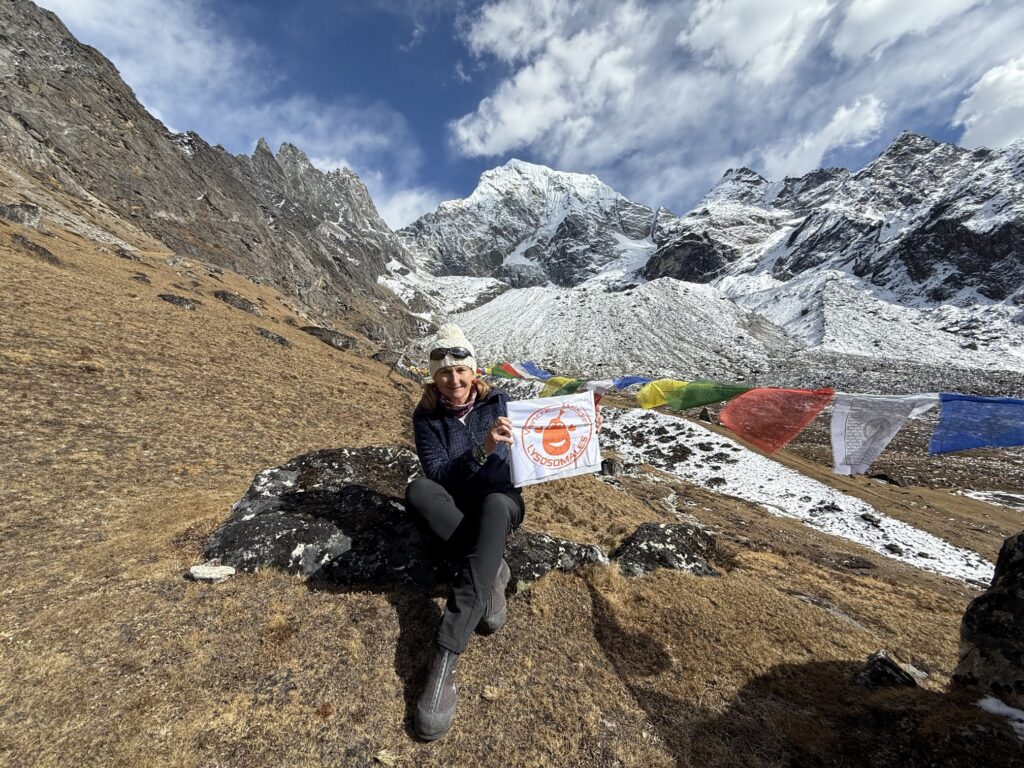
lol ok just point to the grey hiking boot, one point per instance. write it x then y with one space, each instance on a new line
497 607
436 707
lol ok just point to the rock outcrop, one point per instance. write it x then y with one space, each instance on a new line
992 631
337 515
883 671
681 547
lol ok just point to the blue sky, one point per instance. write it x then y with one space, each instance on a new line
656 98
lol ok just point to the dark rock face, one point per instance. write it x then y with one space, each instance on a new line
992 631
681 547
337 515
882 671
238 302
693 257
35 249
327 336
276 338
178 301
992 262
68 118
26 214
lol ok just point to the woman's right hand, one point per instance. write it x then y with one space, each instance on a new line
500 431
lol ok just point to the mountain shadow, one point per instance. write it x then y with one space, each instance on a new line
809 715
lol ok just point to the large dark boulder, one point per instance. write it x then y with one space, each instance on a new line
327 336
338 515
533 555
680 546
992 631
238 302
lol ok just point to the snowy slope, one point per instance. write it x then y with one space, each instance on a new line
706 458
664 327
833 311
435 298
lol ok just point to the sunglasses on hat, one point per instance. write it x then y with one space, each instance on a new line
459 353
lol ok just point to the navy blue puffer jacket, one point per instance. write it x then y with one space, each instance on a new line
445 447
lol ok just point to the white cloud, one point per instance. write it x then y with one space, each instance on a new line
852 125
514 29
418 31
404 206
759 37
993 112
871 25
660 98
577 74
171 52
460 73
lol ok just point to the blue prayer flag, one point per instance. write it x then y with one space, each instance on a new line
969 421
534 370
628 381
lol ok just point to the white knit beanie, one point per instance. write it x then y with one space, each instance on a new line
451 336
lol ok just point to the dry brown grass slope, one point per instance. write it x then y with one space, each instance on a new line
130 425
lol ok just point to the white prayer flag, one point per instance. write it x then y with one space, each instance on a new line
553 437
862 425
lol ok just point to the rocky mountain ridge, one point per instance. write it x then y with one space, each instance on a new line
914 259
75 141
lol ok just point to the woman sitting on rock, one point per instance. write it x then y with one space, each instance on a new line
468 503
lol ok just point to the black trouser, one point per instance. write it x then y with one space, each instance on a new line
475 537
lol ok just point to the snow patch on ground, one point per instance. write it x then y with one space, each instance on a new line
1013 715
706 458
999 498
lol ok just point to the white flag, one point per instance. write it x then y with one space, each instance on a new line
553 437
862 425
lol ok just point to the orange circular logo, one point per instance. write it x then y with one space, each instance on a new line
549 442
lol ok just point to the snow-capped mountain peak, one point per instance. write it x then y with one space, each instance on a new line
529 225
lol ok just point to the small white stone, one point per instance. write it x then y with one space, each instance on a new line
211 574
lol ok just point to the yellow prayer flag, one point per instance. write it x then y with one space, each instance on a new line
653 395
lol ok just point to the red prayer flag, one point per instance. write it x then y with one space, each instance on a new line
770 418
507 368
